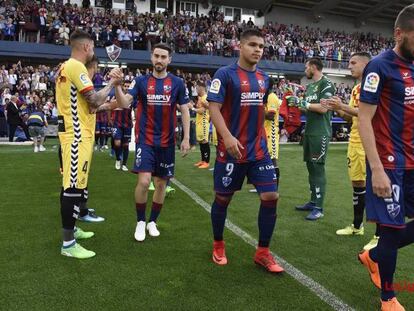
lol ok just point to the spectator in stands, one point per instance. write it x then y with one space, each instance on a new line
9 30
14 119
64 34
124 37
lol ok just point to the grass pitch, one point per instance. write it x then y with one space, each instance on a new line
174 271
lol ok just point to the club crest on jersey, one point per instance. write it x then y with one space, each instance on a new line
226 181
371 82
393 209
261 83
167 88
138 161
215 86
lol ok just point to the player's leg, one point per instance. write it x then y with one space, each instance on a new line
263 176
97 135
141 197
205 154
117 137
158 198
126 138
76 164
356 172
102 136
228 178
318 148
199 137
88 214
306 158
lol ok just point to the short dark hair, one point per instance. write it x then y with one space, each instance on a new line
271 83
251 32
405 19
94 60
361 54
162 46
315 61
80 35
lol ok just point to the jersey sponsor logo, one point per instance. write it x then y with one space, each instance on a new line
406 75
215 86
84 78
312 98
371 82
409 95
251 98
158 99
131 86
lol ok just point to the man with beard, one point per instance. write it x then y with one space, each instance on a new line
386 114
76 97
155 97
318 132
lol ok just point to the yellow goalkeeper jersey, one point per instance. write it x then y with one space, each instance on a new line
354 103
203 119
74 119
272 126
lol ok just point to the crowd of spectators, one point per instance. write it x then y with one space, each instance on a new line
205 34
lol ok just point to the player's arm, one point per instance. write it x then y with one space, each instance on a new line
185 117
380 182
273 105
93 98
184 102
123 100
108 105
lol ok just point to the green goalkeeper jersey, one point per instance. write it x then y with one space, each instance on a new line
316 123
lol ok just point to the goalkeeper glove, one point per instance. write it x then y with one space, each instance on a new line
303 104
292 100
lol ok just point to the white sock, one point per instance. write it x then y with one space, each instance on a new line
67 243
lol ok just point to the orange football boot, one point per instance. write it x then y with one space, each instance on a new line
266 260
219 253
391 305
198 163
372 268
204 165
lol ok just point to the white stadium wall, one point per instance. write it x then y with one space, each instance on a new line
335 22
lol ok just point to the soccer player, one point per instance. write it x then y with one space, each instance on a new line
121 134
236 102
386 115
318 132
356 153
202 125
75 95
155 97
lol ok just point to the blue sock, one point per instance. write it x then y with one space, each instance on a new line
266 221
140 208
155 211
386 256
218 217
125 154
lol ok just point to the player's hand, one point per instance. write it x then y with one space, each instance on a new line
333 103
233 147
185 147
116 76
381 184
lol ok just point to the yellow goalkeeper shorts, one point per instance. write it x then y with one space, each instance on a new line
356 162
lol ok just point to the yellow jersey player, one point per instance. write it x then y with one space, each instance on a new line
356 153
202 125
76 100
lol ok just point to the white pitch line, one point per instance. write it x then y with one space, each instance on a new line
324 294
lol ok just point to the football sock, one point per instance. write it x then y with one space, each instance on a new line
266 221
155 211
407 236
125 153
317 175
311 182
140 208
202 151
69 243
102 140
69 211
218 217
359 205
118 152
207 152
385 254
97 136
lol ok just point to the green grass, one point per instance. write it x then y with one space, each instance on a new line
174 271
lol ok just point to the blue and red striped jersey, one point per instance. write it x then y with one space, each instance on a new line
102 117
388 82
242 95
156 103
121 118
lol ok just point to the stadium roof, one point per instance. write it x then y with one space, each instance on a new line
382 11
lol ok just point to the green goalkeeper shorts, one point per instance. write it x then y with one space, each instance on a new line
315 148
